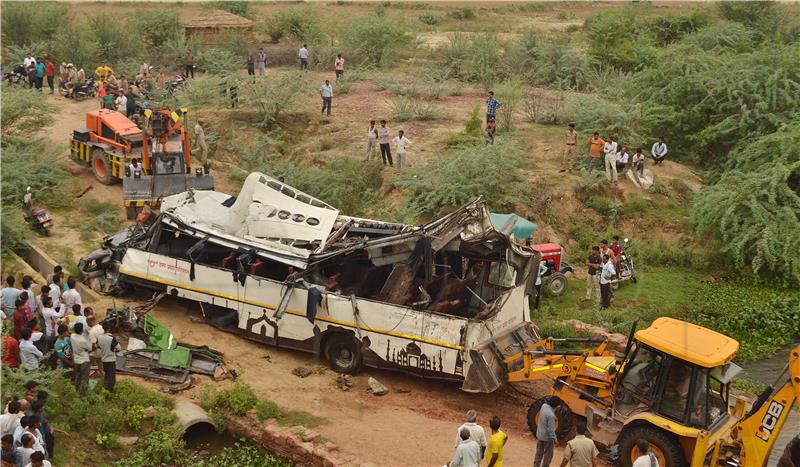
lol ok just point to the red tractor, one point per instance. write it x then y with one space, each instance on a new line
554 282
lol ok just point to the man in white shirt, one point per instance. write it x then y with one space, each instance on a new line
372 138
51 317
29 60
8 297
28 352
55 288
81 346
95 330
121 102
108 347
326 92
468 453
303 58
71 296
27 286
38 460
9 421
622 159
659 151
610 150
646 459
606 276
200 139
476 432
401 143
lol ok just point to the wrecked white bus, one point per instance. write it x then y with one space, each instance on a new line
446 300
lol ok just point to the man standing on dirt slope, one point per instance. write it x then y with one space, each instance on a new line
372 137
401 143
338 66
262 61
251 67
383 139
8 297
492 105
303 54
468 453
594 263
606 276
476 432
546 432
200 138
494 452
596 144
40 69
50 73
326 92
570 143
80 355
188 64
610 151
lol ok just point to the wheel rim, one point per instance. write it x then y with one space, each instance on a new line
662 459
557 286
100 167
344 357
537 419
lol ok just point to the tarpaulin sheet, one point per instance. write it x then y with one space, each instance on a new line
523 228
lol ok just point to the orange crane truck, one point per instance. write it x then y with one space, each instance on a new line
151 161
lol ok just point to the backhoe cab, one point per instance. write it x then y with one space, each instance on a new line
672 387
152 161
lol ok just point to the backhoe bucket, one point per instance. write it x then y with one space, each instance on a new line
487 372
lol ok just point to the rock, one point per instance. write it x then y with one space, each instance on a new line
344 382
301 371
150 412
310 436
128 440
402 390
376 387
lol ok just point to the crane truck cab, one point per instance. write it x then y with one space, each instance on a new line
151 161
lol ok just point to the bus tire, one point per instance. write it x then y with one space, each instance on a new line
343 353
565 420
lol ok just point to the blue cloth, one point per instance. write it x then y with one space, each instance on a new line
523 228
491 106
312 302
39 70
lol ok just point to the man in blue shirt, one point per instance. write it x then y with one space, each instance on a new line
492 105
39 74
546 432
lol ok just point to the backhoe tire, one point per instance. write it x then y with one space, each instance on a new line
343 353
101 167
556 284
663 444
565 420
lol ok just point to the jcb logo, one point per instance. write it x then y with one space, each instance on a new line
770 420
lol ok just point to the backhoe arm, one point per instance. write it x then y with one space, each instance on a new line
758 431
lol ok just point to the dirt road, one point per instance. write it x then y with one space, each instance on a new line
416 427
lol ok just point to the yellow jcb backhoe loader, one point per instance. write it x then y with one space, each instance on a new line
671 387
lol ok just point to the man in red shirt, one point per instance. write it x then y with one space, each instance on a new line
615 246
10 351
50 73
20 318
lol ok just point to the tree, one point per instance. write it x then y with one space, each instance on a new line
375 40
25 111
157 26
273 96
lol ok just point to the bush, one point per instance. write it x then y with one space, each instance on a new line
464 13
244 454
114 39
616 39
219 62
670 28
463 174
473 58
635 204
509 93
100 218
238 399
298 24
430 19
723 37
404 109
25 111
267 409
544 108
237 7
234 42
74 42
31 164
29 22
608 208
378 39
157 26
157 447
271 97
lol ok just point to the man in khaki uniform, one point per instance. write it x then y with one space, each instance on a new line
570 144
200 138
580 451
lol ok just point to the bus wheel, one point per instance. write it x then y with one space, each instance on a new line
343 353
564 419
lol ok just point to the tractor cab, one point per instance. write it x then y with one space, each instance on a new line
676 375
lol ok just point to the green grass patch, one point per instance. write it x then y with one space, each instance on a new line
97 218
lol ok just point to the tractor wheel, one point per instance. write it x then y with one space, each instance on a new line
664 445
565 420
101 167
556 284
343 353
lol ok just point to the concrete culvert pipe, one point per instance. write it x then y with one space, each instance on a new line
192 417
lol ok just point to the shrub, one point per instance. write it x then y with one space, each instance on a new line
670 28
509 93
378 40
608 208
114 39
29 22
271 97
267 409
635 204
74 42
463 174
25 111
239 399
234 42
157 26
244 454
430 19
404 109
723 37
616 39
100 218
463 13
31 164
544 108
473 58
218 62
298 24
15 54
473 130
164 446
237 7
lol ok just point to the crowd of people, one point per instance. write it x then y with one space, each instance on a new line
603 266
49 330
472 449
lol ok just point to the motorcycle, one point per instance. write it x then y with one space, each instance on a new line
17 76
79 92
626 271
38 218
174 85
